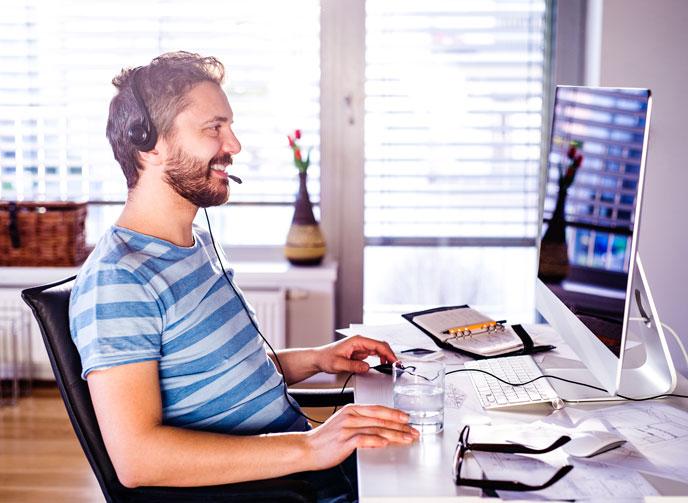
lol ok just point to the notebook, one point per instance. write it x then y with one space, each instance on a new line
468 331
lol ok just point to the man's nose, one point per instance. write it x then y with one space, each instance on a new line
230 143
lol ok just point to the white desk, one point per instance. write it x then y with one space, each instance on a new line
422 471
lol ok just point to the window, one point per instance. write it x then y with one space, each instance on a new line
453 117
56 63
431 184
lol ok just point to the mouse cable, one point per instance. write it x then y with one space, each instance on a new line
571 382
289 399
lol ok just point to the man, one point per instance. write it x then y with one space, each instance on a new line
183 389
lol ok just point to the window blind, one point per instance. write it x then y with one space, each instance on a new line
57 60
454 99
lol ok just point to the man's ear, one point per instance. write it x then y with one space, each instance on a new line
157 156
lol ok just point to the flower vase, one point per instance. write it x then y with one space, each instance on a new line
305 243
554 264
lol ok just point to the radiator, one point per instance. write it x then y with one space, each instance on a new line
22 351
271 311
15 350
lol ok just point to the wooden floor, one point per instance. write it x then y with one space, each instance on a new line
40 457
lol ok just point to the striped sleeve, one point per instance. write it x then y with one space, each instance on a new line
114 319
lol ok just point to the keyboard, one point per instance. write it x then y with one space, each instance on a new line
517 369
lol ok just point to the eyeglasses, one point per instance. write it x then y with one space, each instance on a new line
463 446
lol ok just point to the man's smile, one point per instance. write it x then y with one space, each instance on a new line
219 165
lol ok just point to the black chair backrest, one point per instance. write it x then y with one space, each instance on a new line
50 306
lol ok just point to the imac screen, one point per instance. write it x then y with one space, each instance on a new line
589 215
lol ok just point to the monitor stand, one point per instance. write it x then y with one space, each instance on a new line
645 367
650 370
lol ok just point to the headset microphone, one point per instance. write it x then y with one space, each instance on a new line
235 178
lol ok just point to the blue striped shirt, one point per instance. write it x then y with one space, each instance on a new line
139 298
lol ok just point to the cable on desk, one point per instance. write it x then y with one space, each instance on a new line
342 391
632 399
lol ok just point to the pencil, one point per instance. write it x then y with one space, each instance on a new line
483 325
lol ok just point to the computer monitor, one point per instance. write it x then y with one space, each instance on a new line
591 286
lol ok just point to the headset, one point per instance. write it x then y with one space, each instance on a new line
141 133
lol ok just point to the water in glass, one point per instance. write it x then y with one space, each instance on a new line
419 391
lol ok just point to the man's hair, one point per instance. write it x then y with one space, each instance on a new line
163 85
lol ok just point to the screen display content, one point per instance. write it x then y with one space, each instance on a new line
591 198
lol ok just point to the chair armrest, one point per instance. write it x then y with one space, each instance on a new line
265 491
318 397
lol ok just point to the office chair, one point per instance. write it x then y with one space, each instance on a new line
50 306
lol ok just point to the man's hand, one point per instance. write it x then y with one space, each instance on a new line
347 355
354 426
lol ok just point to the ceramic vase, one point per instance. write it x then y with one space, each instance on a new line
305 243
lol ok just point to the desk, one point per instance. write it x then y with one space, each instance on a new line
422 471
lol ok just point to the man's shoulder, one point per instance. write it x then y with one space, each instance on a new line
114 260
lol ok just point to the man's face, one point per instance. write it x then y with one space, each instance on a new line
202 147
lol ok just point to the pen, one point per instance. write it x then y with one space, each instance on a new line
483 325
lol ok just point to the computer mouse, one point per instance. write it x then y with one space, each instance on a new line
385 368
592 443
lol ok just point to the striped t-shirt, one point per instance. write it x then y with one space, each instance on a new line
140 298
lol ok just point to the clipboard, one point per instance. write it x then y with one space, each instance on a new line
527 345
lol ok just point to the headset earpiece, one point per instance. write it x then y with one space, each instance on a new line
141 133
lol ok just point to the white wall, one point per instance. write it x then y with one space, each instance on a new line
645 44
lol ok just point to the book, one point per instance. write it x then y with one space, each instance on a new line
468 331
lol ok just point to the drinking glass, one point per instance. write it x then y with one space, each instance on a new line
419 391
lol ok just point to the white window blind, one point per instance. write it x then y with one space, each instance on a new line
454 99
454 103
57 60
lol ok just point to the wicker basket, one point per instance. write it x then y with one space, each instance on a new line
42 233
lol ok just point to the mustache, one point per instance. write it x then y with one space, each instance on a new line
222 159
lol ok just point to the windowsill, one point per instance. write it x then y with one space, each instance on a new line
254 273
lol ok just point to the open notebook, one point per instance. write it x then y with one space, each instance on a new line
465 330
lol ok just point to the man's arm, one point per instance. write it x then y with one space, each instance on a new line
345 355
143 451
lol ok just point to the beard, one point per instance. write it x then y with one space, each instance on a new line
192 178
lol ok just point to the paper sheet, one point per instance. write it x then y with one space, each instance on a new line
657 435
400 333
403 336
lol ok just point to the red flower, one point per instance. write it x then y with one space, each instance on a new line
300 163
571 153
